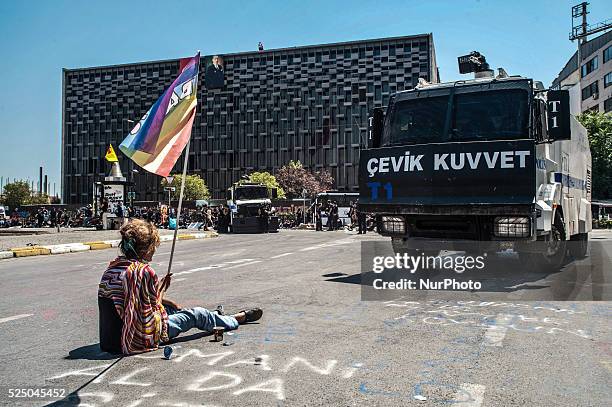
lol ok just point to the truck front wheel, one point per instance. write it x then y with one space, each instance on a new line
553 256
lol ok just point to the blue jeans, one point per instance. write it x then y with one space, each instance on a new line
197 317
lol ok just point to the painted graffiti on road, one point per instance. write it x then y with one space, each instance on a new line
488 315
225 371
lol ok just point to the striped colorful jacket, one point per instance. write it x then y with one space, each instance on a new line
132 286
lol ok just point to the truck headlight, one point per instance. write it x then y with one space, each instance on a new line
512 226
393 224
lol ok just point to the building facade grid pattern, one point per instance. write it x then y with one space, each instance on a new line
305 103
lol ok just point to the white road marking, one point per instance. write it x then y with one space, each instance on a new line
14 317
281 255
200 269
179 279
239 261
330 244
180 273
495 334
243 264
469 395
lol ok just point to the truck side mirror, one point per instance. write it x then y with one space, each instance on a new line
274 193
375 131
558 109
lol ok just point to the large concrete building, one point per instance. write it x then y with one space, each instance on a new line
590 86
305 103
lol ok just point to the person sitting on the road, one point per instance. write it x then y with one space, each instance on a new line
134 316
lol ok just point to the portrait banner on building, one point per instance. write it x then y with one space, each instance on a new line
214 74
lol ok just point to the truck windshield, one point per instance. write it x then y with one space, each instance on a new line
244 193
490 115
418 120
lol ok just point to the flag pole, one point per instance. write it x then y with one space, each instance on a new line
180 205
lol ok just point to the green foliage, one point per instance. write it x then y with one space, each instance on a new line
602 224
16 194
195 187
266 179
599 127
41 199
295 164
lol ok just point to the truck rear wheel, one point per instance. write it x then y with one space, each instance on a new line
579 245
553 257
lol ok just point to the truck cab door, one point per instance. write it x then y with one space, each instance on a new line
565 171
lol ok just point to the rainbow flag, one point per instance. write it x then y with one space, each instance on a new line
158 139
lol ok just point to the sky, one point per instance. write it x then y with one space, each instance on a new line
39 38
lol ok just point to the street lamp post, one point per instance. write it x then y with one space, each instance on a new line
132 172
304 206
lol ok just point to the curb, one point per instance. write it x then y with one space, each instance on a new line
6 255
186 237
86 246
98 245
30 251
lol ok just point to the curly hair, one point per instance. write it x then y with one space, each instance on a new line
139 239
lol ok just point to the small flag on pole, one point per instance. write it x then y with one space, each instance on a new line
110 156
158 139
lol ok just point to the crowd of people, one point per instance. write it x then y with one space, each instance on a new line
326 216
162 216
329 213
53 217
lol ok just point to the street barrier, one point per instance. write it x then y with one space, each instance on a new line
81 247
6 255
30 251
113 243
59 249
186 237
98 245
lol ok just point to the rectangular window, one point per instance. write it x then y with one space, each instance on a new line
608 105
608 79
594 109
607 54
590 66
590 90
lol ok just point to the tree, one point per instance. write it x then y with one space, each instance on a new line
325 181
16 194
266 179
294 179
195 187
40 199
599 127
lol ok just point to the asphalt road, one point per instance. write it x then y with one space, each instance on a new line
318 344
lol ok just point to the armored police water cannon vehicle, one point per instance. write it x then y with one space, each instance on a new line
495 158
251 208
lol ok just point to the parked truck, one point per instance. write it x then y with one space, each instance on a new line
491 159
251 208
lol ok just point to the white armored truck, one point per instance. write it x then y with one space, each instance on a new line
247 202
492 159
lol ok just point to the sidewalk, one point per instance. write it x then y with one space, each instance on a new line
48 241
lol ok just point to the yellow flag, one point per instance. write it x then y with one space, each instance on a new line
110 156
